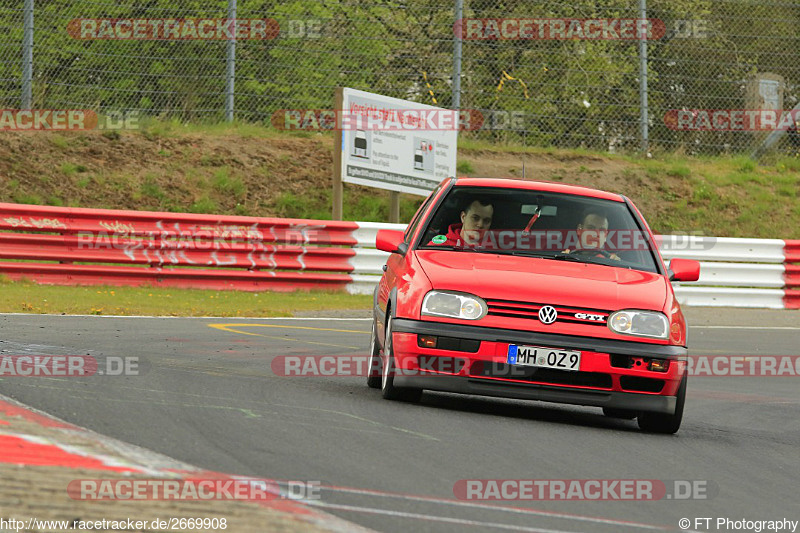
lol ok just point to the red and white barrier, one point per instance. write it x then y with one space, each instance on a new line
54 244
76 246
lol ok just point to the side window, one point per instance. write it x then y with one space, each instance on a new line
412 226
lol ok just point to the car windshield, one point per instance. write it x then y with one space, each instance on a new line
539 224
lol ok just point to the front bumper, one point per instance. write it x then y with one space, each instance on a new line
601 382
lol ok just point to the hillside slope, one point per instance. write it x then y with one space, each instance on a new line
250 170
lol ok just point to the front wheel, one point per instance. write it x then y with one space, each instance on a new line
661 423
389 391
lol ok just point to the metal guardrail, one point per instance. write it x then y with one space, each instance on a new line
76 246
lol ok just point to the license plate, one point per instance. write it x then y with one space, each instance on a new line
544 357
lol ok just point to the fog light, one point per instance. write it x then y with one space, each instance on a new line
426 341
658 365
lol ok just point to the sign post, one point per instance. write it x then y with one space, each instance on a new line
338 189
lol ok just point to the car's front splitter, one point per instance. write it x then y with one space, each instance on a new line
546 393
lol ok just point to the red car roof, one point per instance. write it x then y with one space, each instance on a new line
548 186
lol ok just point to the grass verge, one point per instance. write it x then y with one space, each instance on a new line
28 297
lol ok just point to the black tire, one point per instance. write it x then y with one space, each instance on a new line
374 365
624 414
388 390
661 423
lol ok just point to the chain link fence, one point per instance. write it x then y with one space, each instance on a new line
562 87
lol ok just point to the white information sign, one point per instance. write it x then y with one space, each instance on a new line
395 144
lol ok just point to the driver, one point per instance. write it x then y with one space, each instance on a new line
592 232
475 219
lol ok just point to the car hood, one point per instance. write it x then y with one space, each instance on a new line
566 283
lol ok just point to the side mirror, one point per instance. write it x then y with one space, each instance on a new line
390 240
684 270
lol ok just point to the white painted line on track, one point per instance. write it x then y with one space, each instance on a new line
192 317
430 518
462 521
490 506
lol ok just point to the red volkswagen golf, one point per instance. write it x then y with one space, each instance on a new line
532 290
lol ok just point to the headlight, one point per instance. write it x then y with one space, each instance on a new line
640 323
454 305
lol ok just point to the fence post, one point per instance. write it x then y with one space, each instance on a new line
230 64
459 14
643 111
27 54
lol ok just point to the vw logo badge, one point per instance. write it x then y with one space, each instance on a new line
548 314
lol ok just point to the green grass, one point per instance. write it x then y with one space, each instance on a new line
165 129
224 184
28 297
27 198
204 205
464 167
151 188
363 207
679 170
59 141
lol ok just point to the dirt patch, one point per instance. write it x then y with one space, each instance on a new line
289 176
136 171
141 171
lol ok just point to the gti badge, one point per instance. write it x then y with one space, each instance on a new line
589 316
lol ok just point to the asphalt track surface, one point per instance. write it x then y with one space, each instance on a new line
207 395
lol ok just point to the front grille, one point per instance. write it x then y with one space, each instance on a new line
481 369
530 310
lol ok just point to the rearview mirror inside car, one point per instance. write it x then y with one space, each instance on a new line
547 210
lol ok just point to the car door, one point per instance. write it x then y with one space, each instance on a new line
397 264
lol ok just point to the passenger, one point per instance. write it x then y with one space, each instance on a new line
475 220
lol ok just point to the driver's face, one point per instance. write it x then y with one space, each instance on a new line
593 231
475 219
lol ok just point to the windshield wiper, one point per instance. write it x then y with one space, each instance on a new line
590 260
565 257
